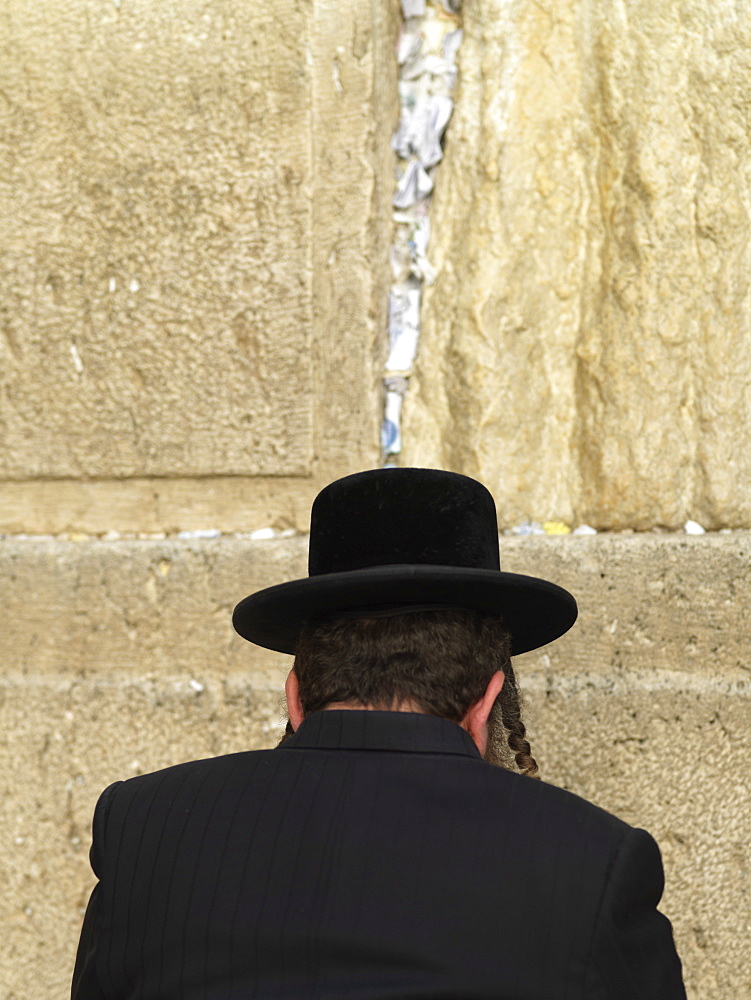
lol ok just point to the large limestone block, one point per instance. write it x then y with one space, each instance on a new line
586 349
119 658
157 241
63 742
645 709
194 222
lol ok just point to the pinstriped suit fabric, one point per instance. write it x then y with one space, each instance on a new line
373 855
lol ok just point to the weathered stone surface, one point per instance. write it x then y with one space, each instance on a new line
119 658
63 741
645 709
673 759
134 607
586 350
230 504
157 241
194 223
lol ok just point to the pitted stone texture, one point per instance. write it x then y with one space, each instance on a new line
194 227
63 741
156 247
152 506
134 607
586 349
119 658
645 709
674 761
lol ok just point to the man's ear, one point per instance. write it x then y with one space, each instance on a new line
292 691
476 719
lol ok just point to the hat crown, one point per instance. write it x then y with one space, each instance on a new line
403 516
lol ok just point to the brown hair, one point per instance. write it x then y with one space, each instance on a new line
438 661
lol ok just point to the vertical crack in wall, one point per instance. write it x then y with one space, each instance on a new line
426 54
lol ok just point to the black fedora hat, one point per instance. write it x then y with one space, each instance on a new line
403 539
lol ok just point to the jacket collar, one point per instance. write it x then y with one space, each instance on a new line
354 729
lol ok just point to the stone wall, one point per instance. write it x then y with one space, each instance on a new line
124 661
585 350
194 228
194 242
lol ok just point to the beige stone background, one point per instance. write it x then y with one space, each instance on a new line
194 231
586 351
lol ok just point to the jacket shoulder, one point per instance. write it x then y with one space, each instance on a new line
191 771
545 799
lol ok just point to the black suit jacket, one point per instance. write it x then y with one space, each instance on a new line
373 855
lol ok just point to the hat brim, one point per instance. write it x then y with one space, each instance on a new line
535 611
